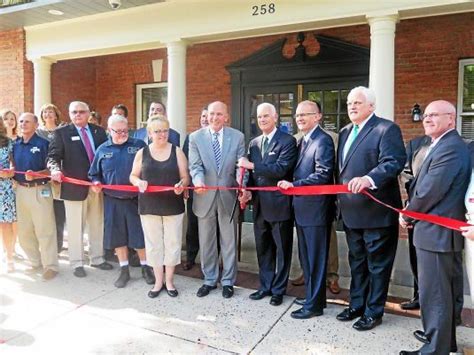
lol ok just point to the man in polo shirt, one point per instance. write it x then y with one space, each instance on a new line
34 200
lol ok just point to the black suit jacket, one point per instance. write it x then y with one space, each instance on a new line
315 166
277 164
412 149
439 189
68 154
378 152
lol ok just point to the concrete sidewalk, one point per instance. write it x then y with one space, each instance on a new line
90 316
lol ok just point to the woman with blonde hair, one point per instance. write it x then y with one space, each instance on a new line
7 198
11 125
50 120
161 214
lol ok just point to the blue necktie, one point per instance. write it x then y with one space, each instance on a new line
217 149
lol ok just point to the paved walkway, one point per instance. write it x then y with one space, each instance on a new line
90 316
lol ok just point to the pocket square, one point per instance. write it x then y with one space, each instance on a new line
271 153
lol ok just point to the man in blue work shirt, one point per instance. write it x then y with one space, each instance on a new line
34 200
122 227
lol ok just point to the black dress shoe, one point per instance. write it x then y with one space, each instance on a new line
305 314
154 294
104 266
258 295
300 301
227 291
79 272
406 352
413 304
123 278
148 274
421 336
458 321
204 290
367 323
349 314
188 265
276 300
172 293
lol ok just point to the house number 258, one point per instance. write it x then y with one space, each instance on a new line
263 9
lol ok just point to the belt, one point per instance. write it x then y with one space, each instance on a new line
32 183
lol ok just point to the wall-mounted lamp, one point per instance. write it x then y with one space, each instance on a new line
416 113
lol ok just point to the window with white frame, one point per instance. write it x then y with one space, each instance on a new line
146 94
465 121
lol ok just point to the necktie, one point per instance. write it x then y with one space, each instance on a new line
217 149
264 146
87 144
302 144
350 140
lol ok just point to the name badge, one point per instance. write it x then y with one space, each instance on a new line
75 138
133 150
46 192
108 155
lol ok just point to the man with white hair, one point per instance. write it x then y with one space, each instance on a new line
71 153
371 155
271 158
112 165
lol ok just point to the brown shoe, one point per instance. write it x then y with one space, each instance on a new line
299 281
188 265
49 274
334 287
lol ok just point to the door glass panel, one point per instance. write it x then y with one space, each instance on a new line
284 105
330 123
331 101
334 108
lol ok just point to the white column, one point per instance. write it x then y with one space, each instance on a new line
177 86
382 63
42 82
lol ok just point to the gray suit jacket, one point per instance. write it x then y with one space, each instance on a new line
439 189
203 168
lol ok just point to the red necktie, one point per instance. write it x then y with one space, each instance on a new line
87 144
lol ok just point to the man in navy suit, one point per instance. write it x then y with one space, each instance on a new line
439 189
157 108
71 153
271 157
313 214
371 155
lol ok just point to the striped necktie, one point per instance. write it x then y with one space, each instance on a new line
264 146
216 147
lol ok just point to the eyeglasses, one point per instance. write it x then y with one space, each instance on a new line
81 112
119 131
435 114
302 115
161 131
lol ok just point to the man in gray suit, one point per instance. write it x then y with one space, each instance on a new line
439 189
213 154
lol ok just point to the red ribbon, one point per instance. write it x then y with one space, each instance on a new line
450 223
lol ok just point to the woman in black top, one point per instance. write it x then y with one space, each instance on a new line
161 213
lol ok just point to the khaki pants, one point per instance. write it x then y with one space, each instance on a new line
36 225
333 257
80 214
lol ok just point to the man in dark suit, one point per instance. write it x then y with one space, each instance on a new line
70 154
313 214
439 188
271 157
371 154
157 108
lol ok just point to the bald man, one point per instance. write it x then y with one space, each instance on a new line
439 189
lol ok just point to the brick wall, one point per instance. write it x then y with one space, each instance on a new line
427 54
16 85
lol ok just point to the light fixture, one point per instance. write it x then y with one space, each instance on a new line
55 12
416 113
